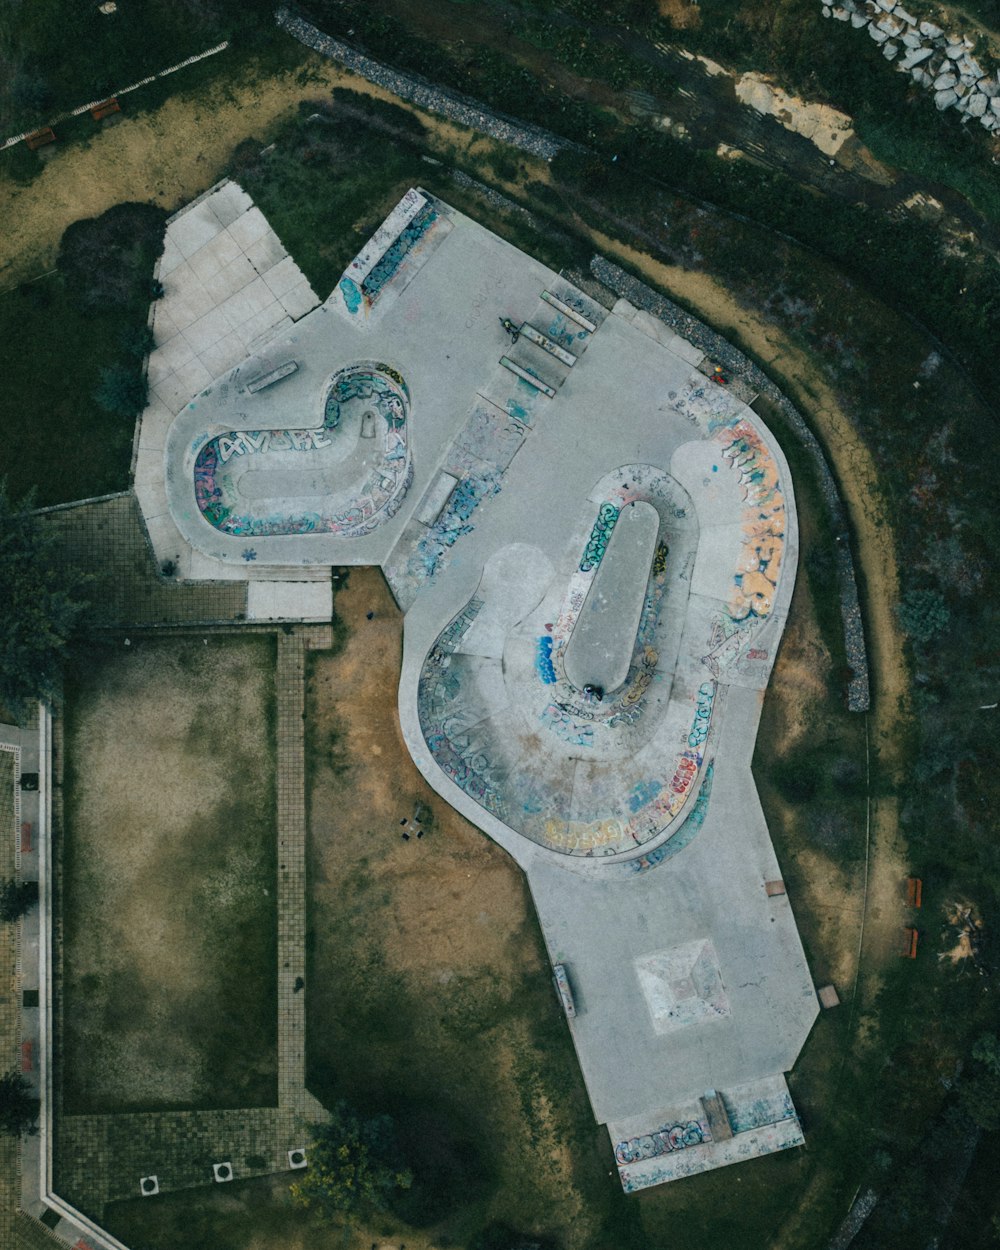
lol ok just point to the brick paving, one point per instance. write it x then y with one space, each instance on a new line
17 1230
290 690
106 539
101 1158
9 1055
31 1235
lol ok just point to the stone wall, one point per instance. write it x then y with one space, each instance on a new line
938 62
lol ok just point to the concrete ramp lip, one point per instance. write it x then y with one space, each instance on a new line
599 651
514 582
345 478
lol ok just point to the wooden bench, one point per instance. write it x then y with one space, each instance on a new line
908 946
40 138
27 1056
26 838
914 891
105 109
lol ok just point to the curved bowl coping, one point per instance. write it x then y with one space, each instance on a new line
189 433
599 651
522 849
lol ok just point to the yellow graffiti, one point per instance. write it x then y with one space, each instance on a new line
581 835
759 564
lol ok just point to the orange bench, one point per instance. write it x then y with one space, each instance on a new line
40 138
105 109
26 838
914 891
908 946
27 1056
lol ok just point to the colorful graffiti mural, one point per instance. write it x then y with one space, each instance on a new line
759 567
605 821
359 508
663 1141
543 660
702 715
599 537
684 835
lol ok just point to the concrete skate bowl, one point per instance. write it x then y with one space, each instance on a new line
502 698
345 477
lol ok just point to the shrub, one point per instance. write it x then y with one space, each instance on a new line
16 898
122 390
923 614
107 260
18 1106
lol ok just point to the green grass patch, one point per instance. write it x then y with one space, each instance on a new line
918 145
57 437
60 55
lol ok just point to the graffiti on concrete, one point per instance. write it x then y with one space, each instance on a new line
599 537
759 1112
756 578
567 727
454 521
662 1141
396 253
543 660
702 715
660 559
684 835
372 491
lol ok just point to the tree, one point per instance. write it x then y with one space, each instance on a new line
16 898
40 604
122 390
18 1106
979 1089
923 614
108 261
354 1164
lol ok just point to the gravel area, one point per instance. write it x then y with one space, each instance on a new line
747 382
457 108
860 1210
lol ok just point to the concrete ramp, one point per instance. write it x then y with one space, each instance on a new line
600 648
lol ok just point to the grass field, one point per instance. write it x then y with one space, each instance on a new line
68 447
168 900
58 55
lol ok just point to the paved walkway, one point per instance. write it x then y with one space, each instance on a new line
17 1230
290 690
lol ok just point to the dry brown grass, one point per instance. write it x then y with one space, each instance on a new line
168 897
429 947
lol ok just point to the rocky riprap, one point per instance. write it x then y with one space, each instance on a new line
941 63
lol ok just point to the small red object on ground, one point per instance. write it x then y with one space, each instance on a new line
105 109
40 138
